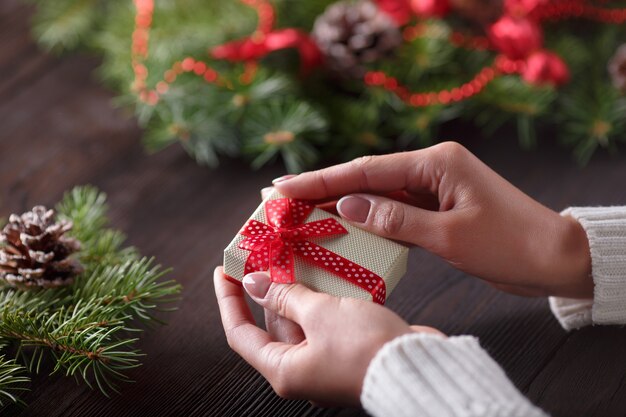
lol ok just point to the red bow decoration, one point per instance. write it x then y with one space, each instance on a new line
251 48
274 245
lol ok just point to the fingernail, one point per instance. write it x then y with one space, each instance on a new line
283 178
257 284
354 208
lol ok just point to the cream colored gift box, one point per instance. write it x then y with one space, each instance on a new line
381 256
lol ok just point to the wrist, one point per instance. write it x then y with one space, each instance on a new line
573 261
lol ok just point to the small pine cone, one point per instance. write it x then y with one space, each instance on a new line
35 254
351 35
481 12
617 68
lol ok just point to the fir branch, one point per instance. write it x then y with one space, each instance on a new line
12 381
284 127
86 328
75 336
132 288
85 207
63 24
591 120
511 100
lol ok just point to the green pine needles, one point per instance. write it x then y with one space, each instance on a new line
13 379
87 329
282 115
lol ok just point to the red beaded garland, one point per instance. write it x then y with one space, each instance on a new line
502 65
139 49
266 15
558 10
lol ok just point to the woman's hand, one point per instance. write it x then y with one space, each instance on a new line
447 201
326 360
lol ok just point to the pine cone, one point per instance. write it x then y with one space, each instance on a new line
353 34
482 12
35 254
617 68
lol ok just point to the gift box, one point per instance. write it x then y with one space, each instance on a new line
295 241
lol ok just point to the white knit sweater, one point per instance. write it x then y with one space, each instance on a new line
428 375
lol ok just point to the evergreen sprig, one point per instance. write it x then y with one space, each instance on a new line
87 330
12 381
65 24
239 119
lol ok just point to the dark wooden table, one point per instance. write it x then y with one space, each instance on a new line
58 129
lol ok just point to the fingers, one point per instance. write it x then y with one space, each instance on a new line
281 329
326 206
391 219
377 174
244 337
233 308
416 171
292 301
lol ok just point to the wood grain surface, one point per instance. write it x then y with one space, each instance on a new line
59 129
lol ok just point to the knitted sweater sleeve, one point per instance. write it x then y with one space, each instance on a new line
425 375
606 231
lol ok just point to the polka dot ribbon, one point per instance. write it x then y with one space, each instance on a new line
273 246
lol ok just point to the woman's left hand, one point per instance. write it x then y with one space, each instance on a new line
324 350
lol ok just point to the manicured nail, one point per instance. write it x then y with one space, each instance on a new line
257 284
354 208
283 178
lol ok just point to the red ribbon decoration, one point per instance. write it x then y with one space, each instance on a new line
266 39
274 245
249 49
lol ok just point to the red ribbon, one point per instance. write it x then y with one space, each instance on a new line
274 245
250 48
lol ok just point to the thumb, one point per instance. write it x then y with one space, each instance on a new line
390 218
292 301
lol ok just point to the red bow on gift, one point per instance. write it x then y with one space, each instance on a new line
274 245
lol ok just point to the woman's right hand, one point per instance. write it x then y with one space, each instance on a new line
479 222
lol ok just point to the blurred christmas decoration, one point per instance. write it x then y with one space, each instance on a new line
76 305
323 78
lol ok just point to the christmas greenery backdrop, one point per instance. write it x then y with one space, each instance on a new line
297 80
73 299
